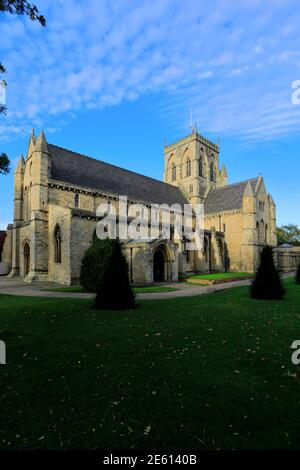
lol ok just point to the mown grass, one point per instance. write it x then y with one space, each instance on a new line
153 289
217 276
207 372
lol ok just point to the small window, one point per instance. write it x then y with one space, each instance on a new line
224 227
188 168
76 201
191 188
173 172
57 244
188 256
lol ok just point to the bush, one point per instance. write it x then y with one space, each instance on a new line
114 290
92 265
298 275
267 283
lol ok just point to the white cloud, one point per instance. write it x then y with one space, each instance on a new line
227 62
205 74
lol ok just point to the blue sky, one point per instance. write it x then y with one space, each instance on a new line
114 79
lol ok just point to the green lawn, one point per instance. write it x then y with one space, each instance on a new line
69 289
215 276
207 372
137 290
153 289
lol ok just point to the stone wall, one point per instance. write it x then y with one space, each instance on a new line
231 223
140 256
60 272
82 232
24 236
288 258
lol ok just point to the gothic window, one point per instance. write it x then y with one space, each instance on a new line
76 201
200 166
212 172
57 244
173 172
266 234
188 167
262 232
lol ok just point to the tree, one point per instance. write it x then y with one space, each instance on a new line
18 7
92 265
22 7
288 234
4 164
114 290
298 275
267 283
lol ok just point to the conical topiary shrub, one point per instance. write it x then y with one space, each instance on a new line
298 275
267 283
93 262
114 290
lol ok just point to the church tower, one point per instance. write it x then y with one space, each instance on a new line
35 209
192 164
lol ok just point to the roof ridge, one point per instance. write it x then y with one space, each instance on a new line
114 166
235 184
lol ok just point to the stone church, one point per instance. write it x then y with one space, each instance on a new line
57 192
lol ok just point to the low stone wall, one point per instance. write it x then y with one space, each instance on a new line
211 282
288 258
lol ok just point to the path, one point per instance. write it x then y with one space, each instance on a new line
37 289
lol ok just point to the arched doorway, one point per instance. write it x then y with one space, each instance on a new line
26 259
162 263
159 266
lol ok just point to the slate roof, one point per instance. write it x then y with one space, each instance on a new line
228 197
78 169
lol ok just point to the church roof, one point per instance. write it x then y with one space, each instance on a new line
78 169
227 197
